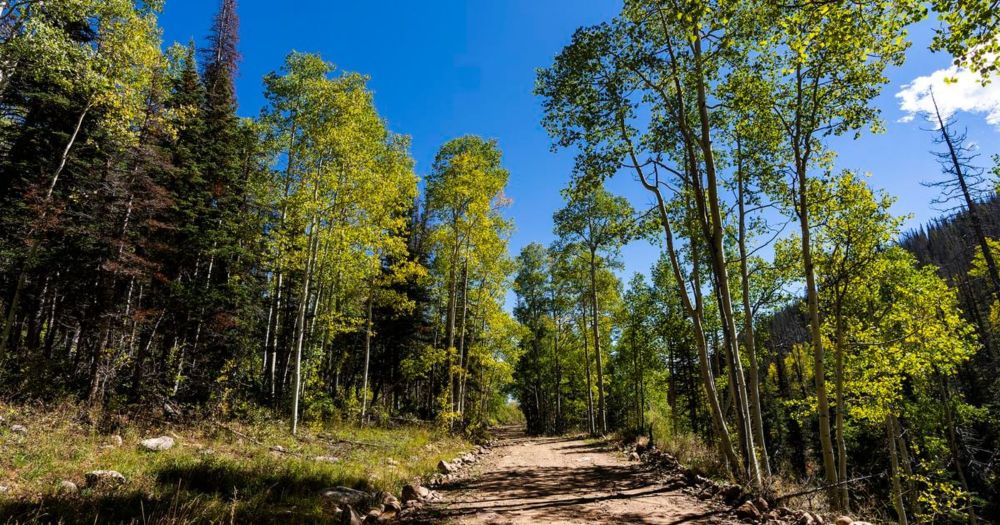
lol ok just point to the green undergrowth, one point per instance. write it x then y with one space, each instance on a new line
230 472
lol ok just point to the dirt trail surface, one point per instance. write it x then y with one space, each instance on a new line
564 481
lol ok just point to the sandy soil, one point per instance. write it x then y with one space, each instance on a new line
564 481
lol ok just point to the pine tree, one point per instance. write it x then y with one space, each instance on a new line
219 191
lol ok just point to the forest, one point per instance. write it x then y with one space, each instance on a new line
158 248
163 257
790 323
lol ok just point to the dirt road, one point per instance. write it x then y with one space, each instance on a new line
564 481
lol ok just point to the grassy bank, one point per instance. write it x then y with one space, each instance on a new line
233 472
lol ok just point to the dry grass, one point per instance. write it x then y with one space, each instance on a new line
215 474
694 453
784 488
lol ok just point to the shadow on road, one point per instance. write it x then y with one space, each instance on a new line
575 481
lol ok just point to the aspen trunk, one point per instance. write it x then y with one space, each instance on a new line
462 352
736 396
897 488
289 170
672 387
300 322
715 236
450 322
555 353
636 376
841 409
905 463
268 330
601 412
748 330
819 358
274 340
708 379
694 313
368 353
586 359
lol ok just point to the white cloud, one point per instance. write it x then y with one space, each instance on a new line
965 94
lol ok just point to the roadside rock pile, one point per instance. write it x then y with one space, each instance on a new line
449 471
349 504
743 505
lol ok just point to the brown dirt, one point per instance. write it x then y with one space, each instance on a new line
564 481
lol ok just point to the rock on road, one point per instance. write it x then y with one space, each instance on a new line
564 481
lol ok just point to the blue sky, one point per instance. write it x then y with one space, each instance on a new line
446 68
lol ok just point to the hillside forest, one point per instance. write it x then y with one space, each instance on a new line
163 256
